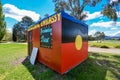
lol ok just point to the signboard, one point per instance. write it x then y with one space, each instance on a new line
47 21
33 55
46 36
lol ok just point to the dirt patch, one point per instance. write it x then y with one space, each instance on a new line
18 61
110 50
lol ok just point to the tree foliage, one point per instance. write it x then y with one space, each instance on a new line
99 36
2 23
91 38
75 7
7 36
20 29
111 9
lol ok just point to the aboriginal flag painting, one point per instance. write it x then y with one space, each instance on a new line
73 33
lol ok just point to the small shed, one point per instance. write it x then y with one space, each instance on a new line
62 41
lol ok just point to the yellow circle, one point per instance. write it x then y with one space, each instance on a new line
78 42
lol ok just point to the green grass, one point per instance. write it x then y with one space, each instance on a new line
98 66
106 43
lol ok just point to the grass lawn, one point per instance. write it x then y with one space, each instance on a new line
108 43
15 66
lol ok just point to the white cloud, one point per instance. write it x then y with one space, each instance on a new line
92 32
93 15
96 15
108 24
112 33
16 13
116 33
108 33
114 28
118 13
9 30
113 1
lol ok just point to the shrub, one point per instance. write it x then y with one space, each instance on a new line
104 46
118 46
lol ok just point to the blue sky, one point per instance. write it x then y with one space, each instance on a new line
14 10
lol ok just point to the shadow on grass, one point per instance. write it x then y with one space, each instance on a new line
109 62
91 69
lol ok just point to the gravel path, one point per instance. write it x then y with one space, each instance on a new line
111 50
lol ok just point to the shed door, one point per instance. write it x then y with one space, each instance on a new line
30 43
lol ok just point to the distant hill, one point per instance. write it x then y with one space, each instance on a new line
112 37
116 36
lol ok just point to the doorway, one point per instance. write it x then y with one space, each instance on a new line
30 43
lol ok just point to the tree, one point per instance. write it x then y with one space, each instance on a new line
2 23
103 36
91 38
99 36
111 9
14 36
7 36
75 7
15 32
25 23
20 29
